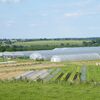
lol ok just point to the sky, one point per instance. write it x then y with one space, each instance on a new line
49 18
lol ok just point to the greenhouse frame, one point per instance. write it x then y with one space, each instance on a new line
75 57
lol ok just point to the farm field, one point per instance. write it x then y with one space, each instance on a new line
50 42
63 71
23 90
25 80
50 50
45 44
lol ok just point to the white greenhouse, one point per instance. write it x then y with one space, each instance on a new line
36 56
18 54
7 54
12 54
43 54
75 57
47 54
76 50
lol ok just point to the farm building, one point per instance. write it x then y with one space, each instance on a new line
75 57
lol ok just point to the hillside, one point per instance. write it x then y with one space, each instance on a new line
45 44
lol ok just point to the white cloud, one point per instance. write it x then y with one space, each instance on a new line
10 1
82 3
10 23
94 28
75 14
33 25
44 14
78 14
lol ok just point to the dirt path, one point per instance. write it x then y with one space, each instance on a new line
9 75
30 67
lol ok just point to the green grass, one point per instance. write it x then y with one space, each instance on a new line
49 42
72 76
46 44
56 76
1 59
22 90
67 70
93 73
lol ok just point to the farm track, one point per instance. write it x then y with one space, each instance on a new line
29 67
17 64
9 75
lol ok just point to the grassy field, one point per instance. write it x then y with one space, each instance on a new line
21 90
45 44
51 42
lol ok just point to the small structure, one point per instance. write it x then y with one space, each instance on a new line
56 59
36 56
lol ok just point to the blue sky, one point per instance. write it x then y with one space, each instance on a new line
49 18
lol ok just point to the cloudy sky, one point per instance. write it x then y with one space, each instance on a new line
49 18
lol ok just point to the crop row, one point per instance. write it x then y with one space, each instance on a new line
70 74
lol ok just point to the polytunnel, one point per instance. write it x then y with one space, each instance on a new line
77 50
12 54
7 54
27 53
36 56
18 54
43 54
75 57
47 54
59 51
